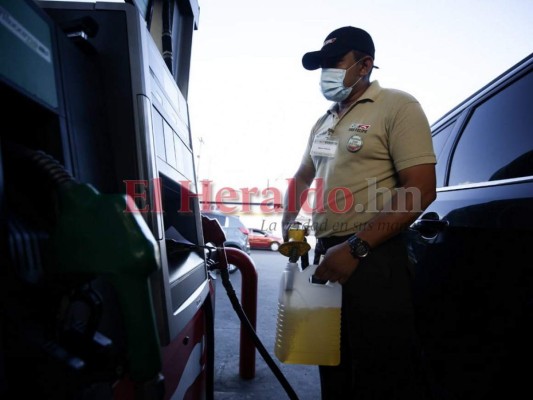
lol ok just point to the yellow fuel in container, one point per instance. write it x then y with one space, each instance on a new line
309 319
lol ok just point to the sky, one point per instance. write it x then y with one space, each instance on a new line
252 104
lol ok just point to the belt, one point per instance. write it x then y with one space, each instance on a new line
331 241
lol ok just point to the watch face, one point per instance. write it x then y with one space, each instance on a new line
359 248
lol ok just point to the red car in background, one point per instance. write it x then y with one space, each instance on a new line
261 239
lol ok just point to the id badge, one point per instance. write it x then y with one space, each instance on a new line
324 147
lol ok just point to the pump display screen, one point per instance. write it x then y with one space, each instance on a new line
27 59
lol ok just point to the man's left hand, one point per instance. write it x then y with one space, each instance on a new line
337 265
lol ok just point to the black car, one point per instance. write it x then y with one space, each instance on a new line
472 248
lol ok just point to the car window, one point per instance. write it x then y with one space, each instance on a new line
497 142
439 140
234 222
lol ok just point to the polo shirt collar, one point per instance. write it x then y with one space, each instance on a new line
369 94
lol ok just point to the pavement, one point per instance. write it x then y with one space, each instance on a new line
303 379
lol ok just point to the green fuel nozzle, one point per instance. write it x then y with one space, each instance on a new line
95 234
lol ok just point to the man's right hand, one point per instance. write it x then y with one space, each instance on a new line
285 225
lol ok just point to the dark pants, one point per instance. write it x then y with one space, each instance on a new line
379 354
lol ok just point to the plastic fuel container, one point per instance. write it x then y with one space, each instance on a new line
309 318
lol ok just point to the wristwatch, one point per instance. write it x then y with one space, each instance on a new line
358 247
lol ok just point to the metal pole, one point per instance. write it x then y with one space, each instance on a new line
249 305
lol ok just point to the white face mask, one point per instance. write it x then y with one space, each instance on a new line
332 83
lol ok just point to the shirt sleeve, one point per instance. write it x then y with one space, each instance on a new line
410 140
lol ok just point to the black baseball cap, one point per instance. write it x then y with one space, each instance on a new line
338 43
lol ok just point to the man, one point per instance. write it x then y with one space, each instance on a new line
372 162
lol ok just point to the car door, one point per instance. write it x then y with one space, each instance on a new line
261 239
472 250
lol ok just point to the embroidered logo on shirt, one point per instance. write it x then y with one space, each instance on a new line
361 128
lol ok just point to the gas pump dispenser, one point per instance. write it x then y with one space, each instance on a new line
96 160
105 291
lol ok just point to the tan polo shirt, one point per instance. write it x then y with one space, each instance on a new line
356 157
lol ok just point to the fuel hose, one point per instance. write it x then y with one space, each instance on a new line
224 274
